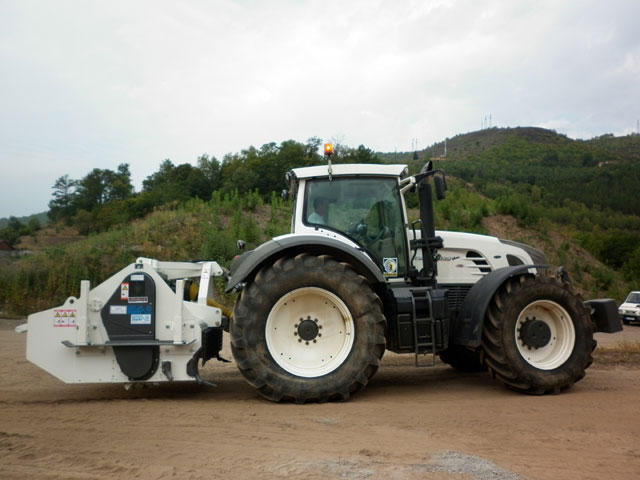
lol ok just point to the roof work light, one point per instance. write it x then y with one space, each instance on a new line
328 149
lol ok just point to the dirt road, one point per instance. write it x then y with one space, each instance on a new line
431 423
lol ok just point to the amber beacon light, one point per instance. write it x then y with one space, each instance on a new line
328 149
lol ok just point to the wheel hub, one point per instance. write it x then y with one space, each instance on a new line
309 332
308 329
535 333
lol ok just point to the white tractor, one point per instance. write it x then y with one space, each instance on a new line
318 307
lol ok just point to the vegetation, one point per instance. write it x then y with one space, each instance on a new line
191 230
564 194
42 219
14 229
626 353
104 198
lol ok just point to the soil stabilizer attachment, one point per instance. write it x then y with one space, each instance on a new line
139 325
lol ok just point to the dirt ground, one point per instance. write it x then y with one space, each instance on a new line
409 423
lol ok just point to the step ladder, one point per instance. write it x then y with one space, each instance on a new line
418 340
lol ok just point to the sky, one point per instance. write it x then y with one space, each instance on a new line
93 84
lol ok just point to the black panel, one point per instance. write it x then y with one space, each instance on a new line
129 315
605 314
138 363
130 312
211 343
431 310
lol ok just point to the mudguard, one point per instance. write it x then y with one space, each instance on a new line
467 328
249 263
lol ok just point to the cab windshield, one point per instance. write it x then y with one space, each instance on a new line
367 210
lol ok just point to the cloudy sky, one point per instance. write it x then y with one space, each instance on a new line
92 84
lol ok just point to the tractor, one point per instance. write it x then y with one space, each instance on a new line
317 308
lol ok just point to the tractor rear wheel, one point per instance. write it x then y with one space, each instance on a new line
538 336
308 328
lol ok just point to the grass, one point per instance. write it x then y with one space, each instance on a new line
625 353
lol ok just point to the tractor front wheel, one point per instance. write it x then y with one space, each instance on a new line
538 336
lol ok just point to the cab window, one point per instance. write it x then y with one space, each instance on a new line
367 210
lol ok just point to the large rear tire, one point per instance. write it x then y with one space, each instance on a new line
538 336
306 329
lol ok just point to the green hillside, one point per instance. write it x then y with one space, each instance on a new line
575 200
193 230
41 217
600 173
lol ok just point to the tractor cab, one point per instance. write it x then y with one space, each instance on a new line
360 205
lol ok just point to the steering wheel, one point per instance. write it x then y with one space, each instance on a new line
370 240
357 230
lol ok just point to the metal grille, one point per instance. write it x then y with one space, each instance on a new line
479 262
456 296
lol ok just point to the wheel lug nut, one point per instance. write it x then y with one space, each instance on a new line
319 334
315 341
300 340
306 343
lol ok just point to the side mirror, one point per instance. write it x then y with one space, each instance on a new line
427 167
241 245
441 187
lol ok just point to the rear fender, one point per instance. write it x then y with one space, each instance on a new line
251 262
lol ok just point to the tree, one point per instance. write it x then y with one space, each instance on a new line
101 186
184 181
63 198
210 168
118 184
361 154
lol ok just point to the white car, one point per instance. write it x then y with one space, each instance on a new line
629 311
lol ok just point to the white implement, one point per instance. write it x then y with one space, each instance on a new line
135 326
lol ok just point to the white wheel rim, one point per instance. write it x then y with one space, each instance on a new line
312 357
563 335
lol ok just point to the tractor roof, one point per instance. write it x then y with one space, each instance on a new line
351 169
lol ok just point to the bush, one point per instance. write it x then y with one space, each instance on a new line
520 207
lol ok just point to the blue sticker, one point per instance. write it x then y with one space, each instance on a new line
138 309
140 319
